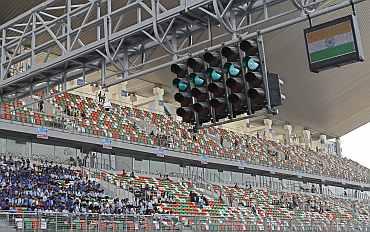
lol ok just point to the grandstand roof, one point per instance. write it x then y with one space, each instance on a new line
333 102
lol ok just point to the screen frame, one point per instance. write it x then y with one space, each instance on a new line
356 56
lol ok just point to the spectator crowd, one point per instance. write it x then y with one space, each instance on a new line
49 187
44 186
139 126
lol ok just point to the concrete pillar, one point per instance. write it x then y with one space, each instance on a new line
158 96
133 98
248 123
339 146
158 92
124 163
94 88
307 138
288 133
123 93
268 128
323 143
295 139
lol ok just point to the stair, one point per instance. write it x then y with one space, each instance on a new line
115 191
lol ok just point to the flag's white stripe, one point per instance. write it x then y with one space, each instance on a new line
322 44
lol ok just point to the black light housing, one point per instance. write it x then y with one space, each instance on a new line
217 102
201 107
235 84
184 98
186 113
254 78
179 69
275 85
196 64
231 53
200 93
238 101
249 47
213 59
217 88
258 92
255 93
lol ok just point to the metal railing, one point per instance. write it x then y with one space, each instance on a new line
35 222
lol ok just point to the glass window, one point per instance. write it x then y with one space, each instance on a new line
157 168
212 175
16 146
137 166
124 163
98 160
106 161
276 184
63 154
195 173
226 177
2 145
173 170
145 166
237 178
286 184
43 151
249 180
111 162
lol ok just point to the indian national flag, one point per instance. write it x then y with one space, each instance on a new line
331 42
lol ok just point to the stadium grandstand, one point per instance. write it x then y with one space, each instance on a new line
97 132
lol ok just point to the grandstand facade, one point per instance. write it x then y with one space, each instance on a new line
148 148
90 141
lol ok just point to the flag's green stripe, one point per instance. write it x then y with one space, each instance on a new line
333 52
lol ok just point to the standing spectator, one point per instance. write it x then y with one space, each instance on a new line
41 106
100 96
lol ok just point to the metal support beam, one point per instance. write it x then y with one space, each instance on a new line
103 72
261 50
31 96
245 36
109 16
124 36
69 24
51 33
98 15
33 41
165 18
125 63
64 81
3 55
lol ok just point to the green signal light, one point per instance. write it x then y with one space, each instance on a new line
251 63
215 75
182 86
233 70
198 80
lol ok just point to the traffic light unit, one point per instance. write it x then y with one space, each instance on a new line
217 86
225 84
183 96
199 91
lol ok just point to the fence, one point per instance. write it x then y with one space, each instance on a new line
40 222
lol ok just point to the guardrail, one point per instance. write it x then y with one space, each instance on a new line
35 222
